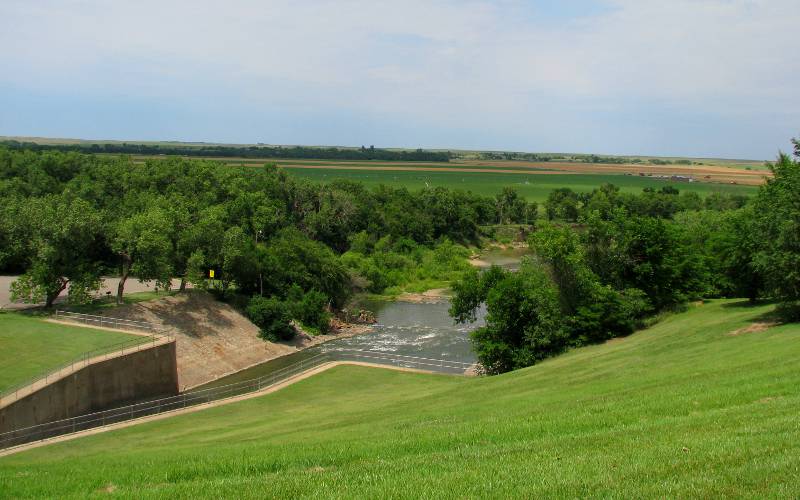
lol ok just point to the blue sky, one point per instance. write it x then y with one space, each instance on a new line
684 77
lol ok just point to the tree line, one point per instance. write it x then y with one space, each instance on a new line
607 263
577 158
211 151
68 218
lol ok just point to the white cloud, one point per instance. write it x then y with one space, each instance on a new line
447 61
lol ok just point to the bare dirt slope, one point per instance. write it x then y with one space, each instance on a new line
213 339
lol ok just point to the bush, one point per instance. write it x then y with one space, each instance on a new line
311 311
310 308
273 317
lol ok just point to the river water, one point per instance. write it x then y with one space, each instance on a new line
423 330
409 329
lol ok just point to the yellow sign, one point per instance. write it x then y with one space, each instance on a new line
210 273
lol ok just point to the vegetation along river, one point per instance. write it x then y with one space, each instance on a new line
423 330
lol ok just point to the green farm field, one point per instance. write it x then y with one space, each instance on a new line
703 404
533 187
30 346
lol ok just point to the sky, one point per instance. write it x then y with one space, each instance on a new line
705 78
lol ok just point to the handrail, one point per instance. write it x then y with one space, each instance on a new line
411 359
86 358
112 321
196 397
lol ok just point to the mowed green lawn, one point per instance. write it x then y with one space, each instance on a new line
30 346
532 187
681 409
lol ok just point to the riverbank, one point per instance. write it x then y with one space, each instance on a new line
503 255
433 295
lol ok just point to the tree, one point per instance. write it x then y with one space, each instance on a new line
524 323
63 235
273 317
144 248
562 204
511 208
777 228
290 257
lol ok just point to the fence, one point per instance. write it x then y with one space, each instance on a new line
109 322
201 396
126 347
428 364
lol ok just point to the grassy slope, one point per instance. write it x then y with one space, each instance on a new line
532 187
681 409
30 346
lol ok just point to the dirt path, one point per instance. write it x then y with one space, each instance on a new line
292 380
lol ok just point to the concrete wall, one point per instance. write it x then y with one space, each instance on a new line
147 373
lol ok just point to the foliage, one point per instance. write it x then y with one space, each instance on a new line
777 226
273 317
260 230
524 322
309 308
390 265
584 286
562 204
59 237
143 244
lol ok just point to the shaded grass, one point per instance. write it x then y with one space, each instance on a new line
30 346
681 409
532 187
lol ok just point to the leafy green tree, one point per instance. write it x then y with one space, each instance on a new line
511 207
524 323
142 243
273 317
292 258
777 228
562 204
63 234
242 262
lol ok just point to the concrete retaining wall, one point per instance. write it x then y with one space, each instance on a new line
147 373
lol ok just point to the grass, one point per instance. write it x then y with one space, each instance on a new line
681 409
31 346
532 187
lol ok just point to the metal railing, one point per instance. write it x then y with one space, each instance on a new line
202 396
399 360
34 383
109 322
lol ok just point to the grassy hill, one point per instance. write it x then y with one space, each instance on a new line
31 346
694 406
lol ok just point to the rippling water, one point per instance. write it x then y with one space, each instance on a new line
424 330
409 329
403 328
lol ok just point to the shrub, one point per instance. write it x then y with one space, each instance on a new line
311 311
273 317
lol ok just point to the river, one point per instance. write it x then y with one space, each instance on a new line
410 329
423 330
